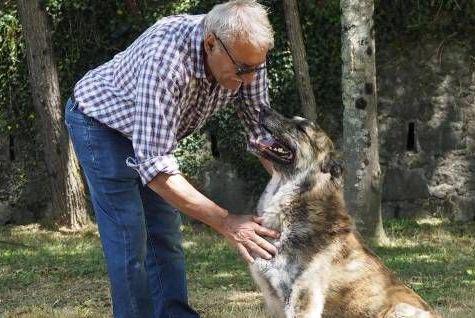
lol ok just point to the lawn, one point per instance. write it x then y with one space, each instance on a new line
46 273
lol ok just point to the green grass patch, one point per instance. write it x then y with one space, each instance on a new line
46 273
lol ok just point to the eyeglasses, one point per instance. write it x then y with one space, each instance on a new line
241 69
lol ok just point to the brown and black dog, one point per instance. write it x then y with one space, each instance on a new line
322 268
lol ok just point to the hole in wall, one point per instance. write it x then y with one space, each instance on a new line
11 148
214 146
411 144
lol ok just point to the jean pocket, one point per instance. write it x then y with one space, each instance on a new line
71 114
74 114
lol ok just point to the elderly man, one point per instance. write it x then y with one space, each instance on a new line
125 119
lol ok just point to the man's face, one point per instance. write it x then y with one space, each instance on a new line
225 62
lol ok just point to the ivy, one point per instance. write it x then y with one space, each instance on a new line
87 33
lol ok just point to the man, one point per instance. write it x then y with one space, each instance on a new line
125 118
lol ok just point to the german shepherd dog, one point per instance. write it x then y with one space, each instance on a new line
322 268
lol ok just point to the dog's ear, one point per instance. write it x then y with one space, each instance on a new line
306 124
335 167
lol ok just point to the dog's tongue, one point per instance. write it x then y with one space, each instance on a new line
263 142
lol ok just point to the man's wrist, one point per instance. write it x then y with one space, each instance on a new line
217 220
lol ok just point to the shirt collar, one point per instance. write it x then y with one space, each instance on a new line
197 51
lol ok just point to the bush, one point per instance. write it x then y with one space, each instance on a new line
87 33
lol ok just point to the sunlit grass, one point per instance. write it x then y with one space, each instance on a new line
52 274
435 257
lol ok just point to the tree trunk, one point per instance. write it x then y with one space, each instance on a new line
297 46
133 7
360 120
67 189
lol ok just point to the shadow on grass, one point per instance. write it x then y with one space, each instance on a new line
50 269
435 259
212 263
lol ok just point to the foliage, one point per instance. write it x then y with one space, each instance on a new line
191 154
86 33
51 274
16 113
398 19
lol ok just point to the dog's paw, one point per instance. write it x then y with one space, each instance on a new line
404 310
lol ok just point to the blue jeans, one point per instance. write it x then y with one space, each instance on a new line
140 232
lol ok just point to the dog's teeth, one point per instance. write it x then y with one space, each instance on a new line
278 149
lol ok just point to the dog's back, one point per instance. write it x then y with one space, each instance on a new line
361 286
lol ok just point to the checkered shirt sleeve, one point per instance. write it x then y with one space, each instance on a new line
253 98
156 122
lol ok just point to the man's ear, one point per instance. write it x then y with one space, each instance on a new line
209 43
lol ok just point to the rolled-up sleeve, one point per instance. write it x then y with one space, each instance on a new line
253 98
156 122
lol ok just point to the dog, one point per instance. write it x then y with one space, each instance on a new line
322 268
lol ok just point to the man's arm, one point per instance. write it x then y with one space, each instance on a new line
154 139
255 97
244 231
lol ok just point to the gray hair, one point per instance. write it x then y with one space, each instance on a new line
245 20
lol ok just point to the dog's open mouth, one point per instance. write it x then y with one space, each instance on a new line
272 149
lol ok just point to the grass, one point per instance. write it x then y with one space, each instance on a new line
47 273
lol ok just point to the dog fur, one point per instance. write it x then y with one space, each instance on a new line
322 268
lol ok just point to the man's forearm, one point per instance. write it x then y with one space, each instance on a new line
177 191
242 231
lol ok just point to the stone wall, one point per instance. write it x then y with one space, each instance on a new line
24 186
427 135
221 182
427 128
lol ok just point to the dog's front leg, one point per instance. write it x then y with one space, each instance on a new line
274 305
305 303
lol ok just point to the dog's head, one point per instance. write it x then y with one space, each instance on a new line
297 145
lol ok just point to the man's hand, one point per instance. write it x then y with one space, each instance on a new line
245 233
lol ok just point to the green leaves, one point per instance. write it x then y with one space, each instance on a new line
88 33
13 76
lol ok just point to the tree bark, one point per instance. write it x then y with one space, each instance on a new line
133 7
299 57
67 189
363 186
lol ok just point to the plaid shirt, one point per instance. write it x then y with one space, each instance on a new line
156 93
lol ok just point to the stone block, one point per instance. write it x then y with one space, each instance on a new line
6 213
220 182
403 209
471 182
4 148
470 144
464 208
23 216
442 191
393 137
405 184
441 139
